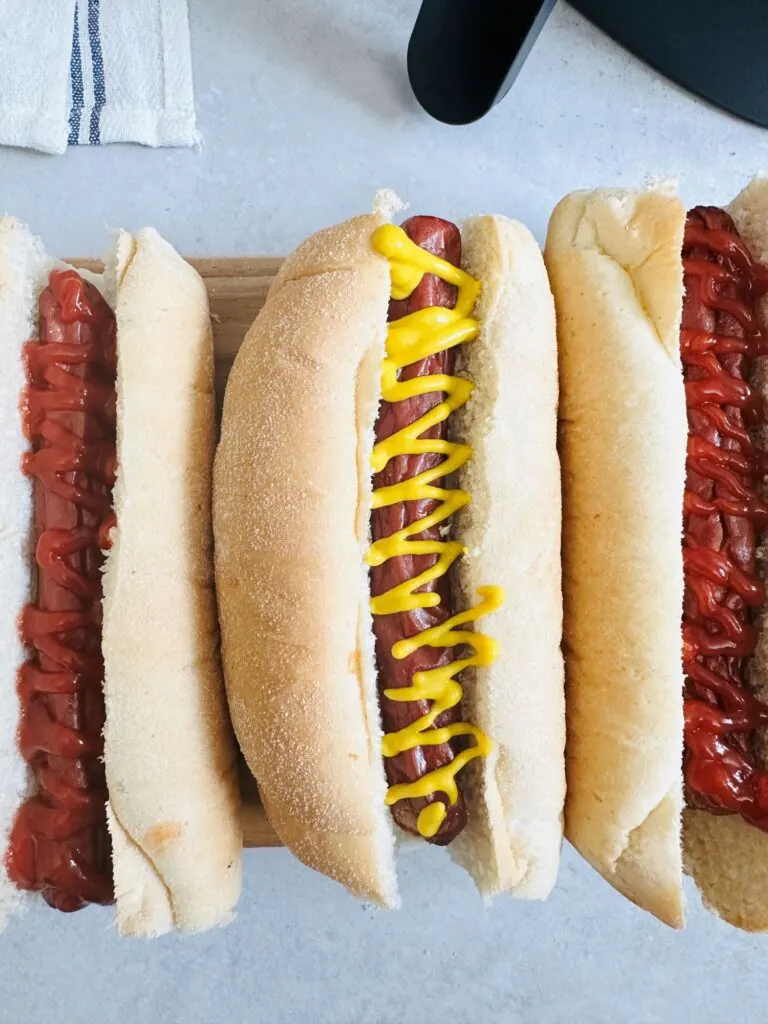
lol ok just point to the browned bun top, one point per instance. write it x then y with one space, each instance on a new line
292 489
173 810
24 270
727 857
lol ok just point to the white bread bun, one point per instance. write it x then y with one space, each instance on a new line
24 269
292 494
616 271
169 752
615 264
169 755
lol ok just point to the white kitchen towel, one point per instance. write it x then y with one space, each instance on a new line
87 72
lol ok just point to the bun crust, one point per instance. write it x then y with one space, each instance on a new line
174 804
292 494
292 488
616 272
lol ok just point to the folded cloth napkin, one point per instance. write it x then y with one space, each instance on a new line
87 72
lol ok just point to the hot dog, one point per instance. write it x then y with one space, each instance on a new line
668 305
404 412
117 761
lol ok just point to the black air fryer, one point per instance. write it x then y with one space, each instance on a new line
464 55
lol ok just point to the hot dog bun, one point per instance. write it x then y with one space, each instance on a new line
290 533
169 753
292 493
174 805
614 259
513 532
614 263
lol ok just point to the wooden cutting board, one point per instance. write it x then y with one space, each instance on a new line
237 288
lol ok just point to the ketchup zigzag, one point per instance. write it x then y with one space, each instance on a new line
59 844
723 512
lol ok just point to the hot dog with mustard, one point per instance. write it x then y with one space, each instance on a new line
386 518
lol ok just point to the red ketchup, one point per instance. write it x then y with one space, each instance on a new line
723 514
59 843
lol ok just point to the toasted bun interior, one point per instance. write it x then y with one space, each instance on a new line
616 273
728 859
174 805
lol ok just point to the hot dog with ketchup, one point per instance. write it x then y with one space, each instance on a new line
662 342
117 782
386 517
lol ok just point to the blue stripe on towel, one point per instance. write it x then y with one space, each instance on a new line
76 83
99 88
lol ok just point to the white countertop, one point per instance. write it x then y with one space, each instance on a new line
305 111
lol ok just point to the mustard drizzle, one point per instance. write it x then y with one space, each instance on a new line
410 339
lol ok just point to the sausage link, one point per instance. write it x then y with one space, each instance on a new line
442 239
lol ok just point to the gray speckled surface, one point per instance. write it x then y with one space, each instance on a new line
305 111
